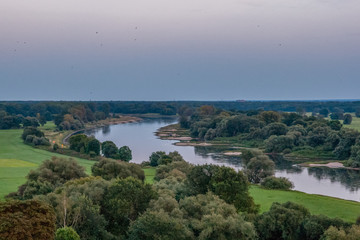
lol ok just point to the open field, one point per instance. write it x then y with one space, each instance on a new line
17 159
149 174
355 124
317 204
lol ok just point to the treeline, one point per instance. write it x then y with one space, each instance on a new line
90 145
72 115
276 132
185 202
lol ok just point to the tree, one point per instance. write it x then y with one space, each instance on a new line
314 226
66 233
278 144
109 169
357 113
282 221
32 131
109 149
275 129
29 219
31 122
159 225
125 154
229 185
77 204
347 119
270 117
347 140
78 142
93 145
212 218
124 201
324 112
334 233
259 168
155 157
50 174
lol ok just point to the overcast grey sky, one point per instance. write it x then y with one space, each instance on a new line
179 49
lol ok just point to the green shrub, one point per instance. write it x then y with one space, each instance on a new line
66 233
280 183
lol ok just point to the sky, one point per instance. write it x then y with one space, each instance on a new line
179 49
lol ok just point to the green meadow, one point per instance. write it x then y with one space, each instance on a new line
317 204
17 159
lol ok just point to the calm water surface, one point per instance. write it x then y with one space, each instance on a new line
140 138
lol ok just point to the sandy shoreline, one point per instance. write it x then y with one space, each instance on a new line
103 123
329 165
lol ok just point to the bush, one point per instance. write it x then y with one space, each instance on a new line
280 183
36 141
109 169
32 131
55 147
66 233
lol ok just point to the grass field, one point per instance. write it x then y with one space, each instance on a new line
331 207
355 124
149 174
17 159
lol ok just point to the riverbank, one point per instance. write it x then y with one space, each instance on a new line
61 137
305 157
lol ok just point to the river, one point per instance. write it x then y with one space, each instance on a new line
140 137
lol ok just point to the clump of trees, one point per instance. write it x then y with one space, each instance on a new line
161 158
35 137
84 144
110 150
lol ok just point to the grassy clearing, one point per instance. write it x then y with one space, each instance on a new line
17 159
317 204
149 174
355 124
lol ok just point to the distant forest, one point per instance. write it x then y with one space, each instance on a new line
31 108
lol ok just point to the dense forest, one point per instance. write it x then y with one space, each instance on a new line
72 115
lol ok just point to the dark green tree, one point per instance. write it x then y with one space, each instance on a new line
93 145
282 221
109 149
125 154
124 201
347 119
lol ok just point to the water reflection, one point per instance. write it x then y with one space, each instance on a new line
140 138
349 178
